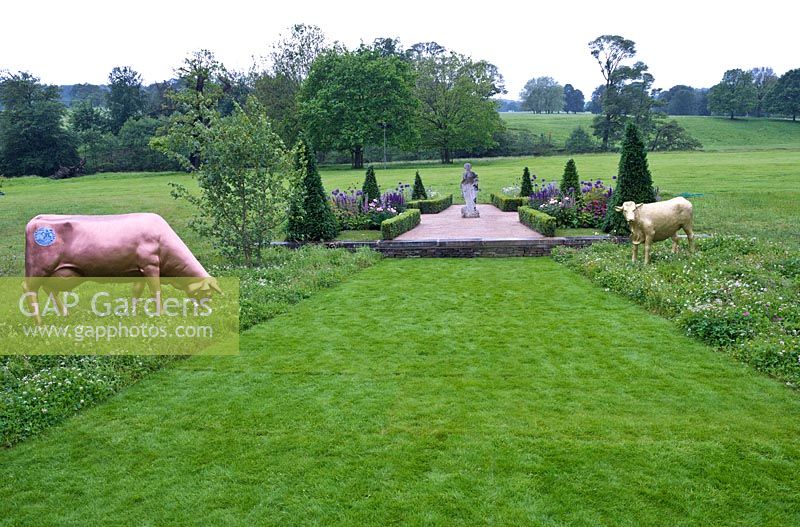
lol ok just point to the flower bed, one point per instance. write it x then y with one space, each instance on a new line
431 206
739 295
353 212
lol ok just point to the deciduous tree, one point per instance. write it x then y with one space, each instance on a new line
542 95
784 97
350 97
33 140
456 110
125 98
734 95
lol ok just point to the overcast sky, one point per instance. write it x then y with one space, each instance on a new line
683 42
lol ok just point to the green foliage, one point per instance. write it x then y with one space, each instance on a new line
734 293
370 189
579 142
573 99
456 110
125 98
310 215
784 97
349 96
670 136
33 140
418 191
433 205
570 183
542 223
403 222
507 203
526 188
634 182
734 95
542 95
195 110
243 185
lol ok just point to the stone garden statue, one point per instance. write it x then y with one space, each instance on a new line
469 189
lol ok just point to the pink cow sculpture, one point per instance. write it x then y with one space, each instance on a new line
139 245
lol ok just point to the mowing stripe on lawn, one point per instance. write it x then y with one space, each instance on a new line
506 391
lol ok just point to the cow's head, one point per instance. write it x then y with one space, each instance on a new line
628 209
203 288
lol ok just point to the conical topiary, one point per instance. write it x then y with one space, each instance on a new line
418 192
526 188
310 215
370 188
570 181
634 182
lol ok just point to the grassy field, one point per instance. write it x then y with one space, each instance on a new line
716 133
367 405
749 193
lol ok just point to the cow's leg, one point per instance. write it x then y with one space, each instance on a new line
138 289
675 243
689 236
634 251
648 241
152 278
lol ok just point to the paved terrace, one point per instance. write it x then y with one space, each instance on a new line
449 225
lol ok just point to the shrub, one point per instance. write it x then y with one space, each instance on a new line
404 222
310 215
579 142
526 189
634 182
243 184
539 221
370 188
507 203
431 206
570 181
419 192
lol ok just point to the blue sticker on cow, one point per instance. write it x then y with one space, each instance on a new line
44 236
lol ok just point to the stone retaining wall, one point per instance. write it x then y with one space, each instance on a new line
468 248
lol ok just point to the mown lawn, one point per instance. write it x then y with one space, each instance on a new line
505 391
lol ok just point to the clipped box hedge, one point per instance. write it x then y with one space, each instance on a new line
537 220
403 222
431 206
508 203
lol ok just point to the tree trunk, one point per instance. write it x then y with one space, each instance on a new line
446 160
605 131
358 157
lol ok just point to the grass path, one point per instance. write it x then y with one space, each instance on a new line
505 391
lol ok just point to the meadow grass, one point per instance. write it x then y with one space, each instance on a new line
715 133
382 402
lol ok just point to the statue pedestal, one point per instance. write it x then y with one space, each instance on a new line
467 213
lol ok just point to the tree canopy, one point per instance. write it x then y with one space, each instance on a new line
351 97
33 140
456 109
734 95
542 95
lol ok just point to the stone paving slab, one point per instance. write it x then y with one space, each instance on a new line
449 225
